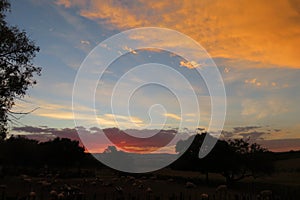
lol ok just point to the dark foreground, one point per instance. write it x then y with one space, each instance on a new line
164 184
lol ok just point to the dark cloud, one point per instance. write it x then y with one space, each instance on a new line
128 140
244 128
200 129
31 129
46 133
244 131
227 134
41 137
254 135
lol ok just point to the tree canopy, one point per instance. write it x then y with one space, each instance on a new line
56 152
16 68
233 159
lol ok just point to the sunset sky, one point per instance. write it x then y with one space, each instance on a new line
255 44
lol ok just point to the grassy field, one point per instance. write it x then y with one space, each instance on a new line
162 184
285 174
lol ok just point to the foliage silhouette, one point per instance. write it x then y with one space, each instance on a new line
16 68
19 153
234 159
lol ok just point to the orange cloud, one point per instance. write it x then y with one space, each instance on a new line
265 83
253 82
130 50
66 3
171 115
60 115
124 141
112 12
190 65
260 31
131 119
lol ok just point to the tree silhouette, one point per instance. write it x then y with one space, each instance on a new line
16 68
59 152
234 159
254 160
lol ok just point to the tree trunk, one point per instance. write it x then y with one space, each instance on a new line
229 180
206 178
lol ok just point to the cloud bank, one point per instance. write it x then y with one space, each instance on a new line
259 31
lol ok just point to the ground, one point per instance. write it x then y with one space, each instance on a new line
163 184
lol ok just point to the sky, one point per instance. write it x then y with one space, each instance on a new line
254 44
